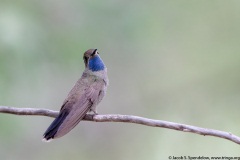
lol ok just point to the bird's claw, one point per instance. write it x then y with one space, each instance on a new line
94 112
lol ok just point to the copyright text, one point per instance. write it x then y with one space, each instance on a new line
202 158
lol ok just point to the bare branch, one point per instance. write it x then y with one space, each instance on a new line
127 119
28 111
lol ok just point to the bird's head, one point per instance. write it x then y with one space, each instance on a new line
93 61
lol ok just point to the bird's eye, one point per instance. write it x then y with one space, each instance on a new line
85 59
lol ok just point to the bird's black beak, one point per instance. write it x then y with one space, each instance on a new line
94 52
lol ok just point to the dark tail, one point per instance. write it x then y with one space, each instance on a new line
53 128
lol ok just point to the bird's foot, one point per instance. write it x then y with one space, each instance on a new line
94 112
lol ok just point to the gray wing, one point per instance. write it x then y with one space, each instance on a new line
77 105
86 94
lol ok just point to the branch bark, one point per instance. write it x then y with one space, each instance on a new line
127 119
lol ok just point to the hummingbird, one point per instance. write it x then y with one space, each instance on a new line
86 94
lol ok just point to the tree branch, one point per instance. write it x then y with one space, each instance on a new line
127 119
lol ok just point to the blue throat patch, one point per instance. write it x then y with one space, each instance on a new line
96 64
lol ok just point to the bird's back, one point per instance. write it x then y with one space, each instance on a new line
85 95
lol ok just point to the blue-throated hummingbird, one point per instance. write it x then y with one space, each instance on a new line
88 91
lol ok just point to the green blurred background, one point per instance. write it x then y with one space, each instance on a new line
171 60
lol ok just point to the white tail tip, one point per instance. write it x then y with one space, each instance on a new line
45 140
